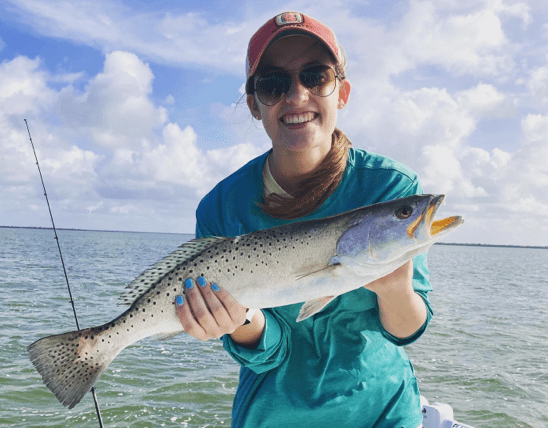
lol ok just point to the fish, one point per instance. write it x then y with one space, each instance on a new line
310 261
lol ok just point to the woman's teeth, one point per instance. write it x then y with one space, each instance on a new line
292 119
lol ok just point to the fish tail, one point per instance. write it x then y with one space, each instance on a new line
71 363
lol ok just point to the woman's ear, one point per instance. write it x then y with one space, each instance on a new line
344 94
253 107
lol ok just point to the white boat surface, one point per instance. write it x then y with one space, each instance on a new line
439 415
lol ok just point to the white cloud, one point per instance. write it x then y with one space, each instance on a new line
111 148
538 85
460 43
115 108
23 86
485 100
531 163
517 9
461 38
179 38
178 160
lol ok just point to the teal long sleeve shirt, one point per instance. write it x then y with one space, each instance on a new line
340 367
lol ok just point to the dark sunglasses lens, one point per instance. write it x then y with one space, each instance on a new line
272 87
319 79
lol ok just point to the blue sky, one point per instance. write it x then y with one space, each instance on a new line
134 106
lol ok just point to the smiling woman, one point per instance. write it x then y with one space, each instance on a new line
296 129
346 364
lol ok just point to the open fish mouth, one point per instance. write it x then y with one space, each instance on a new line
427 217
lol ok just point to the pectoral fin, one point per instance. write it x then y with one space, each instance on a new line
312 307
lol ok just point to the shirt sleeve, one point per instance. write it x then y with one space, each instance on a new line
205 225
271 350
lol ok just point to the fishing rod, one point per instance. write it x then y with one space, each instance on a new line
97 410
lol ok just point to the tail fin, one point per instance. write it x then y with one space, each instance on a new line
70 363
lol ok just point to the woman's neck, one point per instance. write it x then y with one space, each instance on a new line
290 169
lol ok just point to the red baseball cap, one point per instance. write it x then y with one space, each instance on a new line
283 25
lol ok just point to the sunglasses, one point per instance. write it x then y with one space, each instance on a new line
272 86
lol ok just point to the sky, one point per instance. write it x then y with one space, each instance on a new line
136 108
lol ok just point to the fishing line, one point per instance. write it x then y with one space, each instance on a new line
97 410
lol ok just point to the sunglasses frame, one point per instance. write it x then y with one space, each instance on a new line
290 73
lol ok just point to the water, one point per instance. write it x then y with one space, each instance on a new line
485 352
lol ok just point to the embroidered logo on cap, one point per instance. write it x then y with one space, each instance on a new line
289 18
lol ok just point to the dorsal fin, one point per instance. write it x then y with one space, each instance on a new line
159 270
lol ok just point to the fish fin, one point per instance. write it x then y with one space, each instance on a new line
67 366
312 307
155 273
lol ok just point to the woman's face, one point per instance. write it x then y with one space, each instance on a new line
301 121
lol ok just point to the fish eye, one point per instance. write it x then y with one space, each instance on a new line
404 212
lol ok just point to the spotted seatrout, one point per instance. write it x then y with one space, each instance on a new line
311 261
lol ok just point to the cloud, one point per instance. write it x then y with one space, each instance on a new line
186 39
115 109
110 149
485 101
178 160
23 86
537 84
461 43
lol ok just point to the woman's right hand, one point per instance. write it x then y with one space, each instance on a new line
208 311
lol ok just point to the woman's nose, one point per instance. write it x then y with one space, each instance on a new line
298 93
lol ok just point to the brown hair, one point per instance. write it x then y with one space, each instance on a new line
314 190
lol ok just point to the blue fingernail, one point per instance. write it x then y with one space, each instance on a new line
201 281
179 300
189 283
215 287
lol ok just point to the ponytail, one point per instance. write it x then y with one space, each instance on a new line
314 190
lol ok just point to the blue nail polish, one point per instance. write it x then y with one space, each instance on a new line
201 281
189 283
215 287
179 300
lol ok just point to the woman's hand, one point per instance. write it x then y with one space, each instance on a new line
207 311
401 310
398 281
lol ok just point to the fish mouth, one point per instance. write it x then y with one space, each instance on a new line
438 227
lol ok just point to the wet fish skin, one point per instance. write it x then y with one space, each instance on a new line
311 262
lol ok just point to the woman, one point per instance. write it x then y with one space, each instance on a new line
345 365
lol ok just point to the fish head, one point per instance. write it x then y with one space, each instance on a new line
389 232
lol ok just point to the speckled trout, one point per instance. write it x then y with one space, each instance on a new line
310 261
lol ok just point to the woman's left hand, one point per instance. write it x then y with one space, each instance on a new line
398 281
402 311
